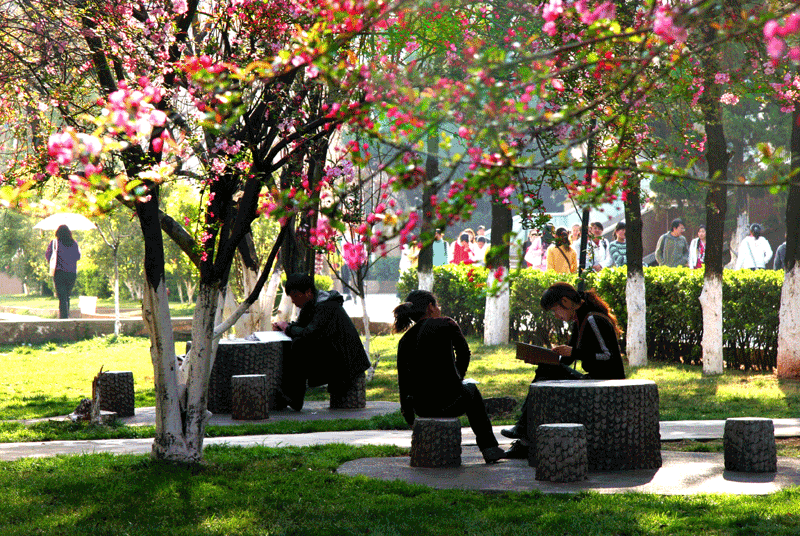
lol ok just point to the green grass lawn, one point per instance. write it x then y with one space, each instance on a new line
49 380
23 304
296 491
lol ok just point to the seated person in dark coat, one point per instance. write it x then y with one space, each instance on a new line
326 347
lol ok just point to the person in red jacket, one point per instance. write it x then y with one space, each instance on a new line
462 253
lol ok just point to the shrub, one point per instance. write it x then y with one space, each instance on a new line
460 290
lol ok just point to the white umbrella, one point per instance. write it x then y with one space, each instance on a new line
75 222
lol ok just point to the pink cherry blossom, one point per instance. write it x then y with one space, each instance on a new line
355 255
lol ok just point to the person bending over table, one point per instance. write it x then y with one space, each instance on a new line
430 374
593 342
326 347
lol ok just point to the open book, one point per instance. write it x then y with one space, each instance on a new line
536 355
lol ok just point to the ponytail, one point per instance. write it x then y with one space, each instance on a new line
412 310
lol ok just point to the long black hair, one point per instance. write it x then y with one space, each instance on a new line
64 235
589 301
414 308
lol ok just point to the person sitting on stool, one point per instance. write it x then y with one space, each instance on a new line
326 347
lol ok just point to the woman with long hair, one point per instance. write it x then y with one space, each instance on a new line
593 342
697 249
64 267
432 359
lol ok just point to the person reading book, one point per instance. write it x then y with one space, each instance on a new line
593 342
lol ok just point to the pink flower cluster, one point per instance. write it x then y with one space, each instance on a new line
66 147
775 35
355 255
664 26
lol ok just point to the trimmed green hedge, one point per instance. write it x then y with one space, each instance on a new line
674 316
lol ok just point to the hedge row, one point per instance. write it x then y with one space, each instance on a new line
674 317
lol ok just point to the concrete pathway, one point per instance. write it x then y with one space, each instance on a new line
681 473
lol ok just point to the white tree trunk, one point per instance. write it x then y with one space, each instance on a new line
636 330
173 440
267 299
249 321
117 321
285 309
711 302
365 319
496 317
789 326
742 230
425 280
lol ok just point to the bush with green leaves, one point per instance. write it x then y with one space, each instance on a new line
460 290
674 316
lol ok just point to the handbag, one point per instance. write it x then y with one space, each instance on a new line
54 257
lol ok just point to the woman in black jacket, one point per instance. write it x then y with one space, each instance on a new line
432 359
593 342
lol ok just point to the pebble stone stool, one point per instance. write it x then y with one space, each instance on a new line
249 397
436 443
750 445
355 397
562 452
116 392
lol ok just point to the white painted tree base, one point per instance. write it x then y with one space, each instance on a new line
711 302
425 281
496 317
636 330
789 326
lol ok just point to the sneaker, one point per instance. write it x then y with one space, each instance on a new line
493 454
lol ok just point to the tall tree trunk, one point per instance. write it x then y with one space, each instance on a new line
636 333
425 262
496 324
789 315
716 207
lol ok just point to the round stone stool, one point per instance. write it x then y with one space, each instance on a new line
116 392
249 397
750 445
354 397
562 452
436 443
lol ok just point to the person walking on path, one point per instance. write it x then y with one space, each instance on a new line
63 254
440 247
560 256
672 249
596 248
780 257
432 360
535 252
593 342
754 251
697 249
618 249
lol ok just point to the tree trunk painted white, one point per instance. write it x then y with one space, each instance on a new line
496 317
711 302
249 321
177 407
636 330
285 309
742 230
425 281
266 300
789 327
365 318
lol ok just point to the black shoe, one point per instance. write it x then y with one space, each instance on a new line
512 433
518 451
493 454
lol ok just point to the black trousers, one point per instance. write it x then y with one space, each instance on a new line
470 402
64 282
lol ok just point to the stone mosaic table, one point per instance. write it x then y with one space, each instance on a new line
620 416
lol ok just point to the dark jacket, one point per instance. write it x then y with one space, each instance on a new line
594 343
325 336
432 359
780 258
